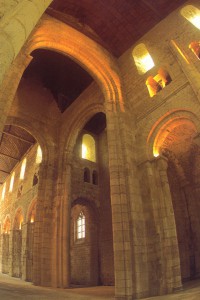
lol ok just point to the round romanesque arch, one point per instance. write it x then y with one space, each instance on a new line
18 219
166 124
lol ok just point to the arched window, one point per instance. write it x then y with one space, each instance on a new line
39 155
192 14
86 175
95 177
23 168
88 148
3 192
80 226
11 182
142 58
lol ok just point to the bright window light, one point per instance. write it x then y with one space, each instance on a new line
81 226
3 192
39 155
11 182
142 58
23 168
88 148
192 14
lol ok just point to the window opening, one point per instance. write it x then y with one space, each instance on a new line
86 175
142 58
3 192
81 226
192 14
158 82
88 148
39 155
23 168
11 182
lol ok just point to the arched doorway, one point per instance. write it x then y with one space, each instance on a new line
176 141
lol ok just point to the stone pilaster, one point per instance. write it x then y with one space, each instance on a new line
42 252
24 251
171 277
61 229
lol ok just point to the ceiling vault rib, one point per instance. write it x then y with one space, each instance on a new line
18 137
9 156
4 171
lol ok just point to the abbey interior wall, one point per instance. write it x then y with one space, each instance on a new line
169 189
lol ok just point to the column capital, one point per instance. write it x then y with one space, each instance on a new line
162 163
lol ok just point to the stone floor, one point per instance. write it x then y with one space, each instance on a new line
13 288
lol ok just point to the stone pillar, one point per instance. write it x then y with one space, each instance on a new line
1 242
24 251
171 276
16 23
151 207
5 253
43 242
125 282
10 260
61 230
194 228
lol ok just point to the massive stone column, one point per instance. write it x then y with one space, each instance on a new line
61 229
171 278
43 225
162 251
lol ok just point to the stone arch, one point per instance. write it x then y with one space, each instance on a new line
96 60
76 125
30 217
169 120
28 126
7 224
18 219
146 132
174 137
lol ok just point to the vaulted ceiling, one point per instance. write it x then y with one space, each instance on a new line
118 24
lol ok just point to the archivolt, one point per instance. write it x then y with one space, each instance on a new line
57 36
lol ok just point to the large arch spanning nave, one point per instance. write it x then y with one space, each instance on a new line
100 144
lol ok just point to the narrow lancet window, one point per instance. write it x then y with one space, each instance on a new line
23 168
81 226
